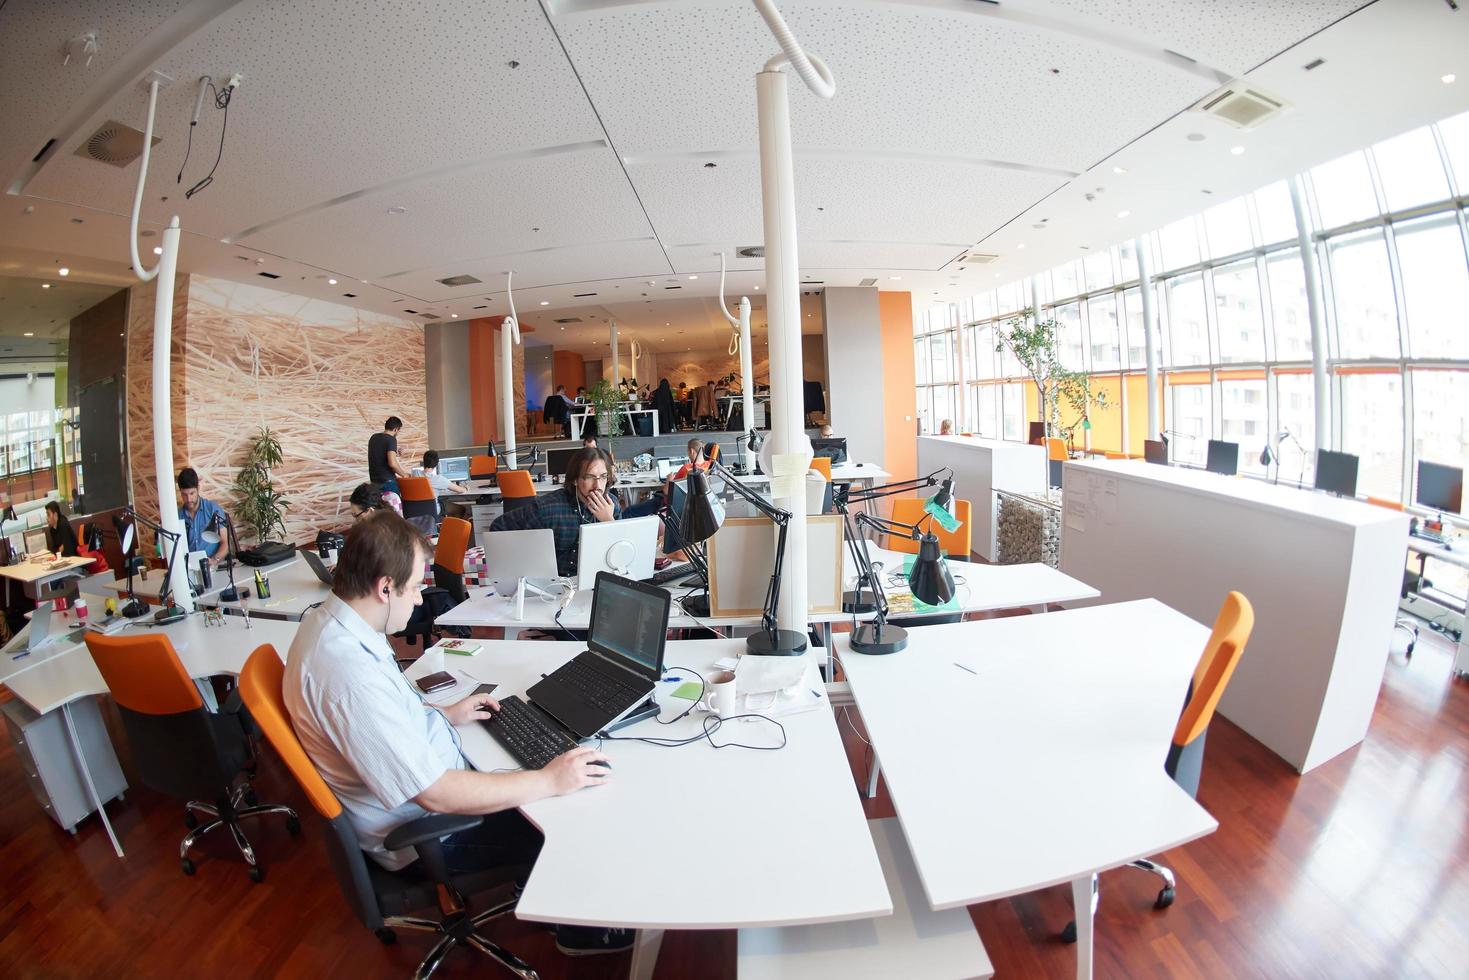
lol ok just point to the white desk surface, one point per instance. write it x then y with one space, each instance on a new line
1060 737
30 572
10 664
152 586
1457 555
204 651
690 837
294 588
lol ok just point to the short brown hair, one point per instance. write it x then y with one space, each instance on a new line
585 457
381 544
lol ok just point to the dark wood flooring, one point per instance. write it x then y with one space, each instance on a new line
1360 869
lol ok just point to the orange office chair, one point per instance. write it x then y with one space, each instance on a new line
516 488
420 503
447 590
377 896
1109 454
482 467
822 465
711 451
180 747
1185 760
956 543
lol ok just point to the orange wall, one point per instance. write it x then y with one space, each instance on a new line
895 316
483 405
569 369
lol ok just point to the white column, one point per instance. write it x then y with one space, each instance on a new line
747 370
1151 339
1321 381
168 508
616 360
961 368
783 306
505 379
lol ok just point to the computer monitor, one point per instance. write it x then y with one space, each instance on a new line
556 460
666 468
514 555
1336 473
1440 487
454 468
1155 451
35 541
1223 457
623 548
833 449
630 620
1036 434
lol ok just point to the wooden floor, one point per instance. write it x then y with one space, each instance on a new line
1360 869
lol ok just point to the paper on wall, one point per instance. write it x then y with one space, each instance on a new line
788 475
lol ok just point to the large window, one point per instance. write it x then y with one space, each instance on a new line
1237 308
1243 420
1190 420
1372 427
1435 286
1411 171
1344 191
1188 325
1105 343
1366 316
1288 310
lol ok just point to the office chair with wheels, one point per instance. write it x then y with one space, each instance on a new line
420 503
1413 583
380 898
179 746
1185 760
517 489
448 588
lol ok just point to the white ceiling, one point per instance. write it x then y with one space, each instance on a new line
43 308
956 123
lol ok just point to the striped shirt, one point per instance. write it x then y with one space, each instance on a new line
365 727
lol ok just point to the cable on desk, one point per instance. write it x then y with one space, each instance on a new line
710 725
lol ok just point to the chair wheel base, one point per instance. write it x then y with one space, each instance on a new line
186 865
1068 935
386 936
257 874
1165 899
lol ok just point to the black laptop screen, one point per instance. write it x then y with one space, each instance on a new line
630 621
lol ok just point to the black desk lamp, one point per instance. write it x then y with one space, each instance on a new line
169 613
222 521
124 527
702 517
842 496
929 580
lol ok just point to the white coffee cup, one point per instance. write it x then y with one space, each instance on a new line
719 693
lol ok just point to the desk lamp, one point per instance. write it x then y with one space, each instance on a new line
842 496
929 579
124 527
223 522
703 515
169 613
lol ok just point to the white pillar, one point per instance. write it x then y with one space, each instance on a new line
1151 339
1321 380
616 359
783 305
168 508
747 370
505 379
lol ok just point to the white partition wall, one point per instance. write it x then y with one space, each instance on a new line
1322 573
982 466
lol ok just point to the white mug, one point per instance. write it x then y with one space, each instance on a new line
719 693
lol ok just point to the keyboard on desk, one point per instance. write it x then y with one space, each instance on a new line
526 734
672 573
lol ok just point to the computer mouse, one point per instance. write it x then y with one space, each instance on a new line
601 762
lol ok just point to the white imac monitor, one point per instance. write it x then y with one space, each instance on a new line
35 541
454 468
514 555
621 547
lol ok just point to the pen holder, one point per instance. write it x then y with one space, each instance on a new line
262 586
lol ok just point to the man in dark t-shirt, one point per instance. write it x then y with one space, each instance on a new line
383 467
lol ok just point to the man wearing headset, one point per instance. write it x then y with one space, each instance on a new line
586 498
390 757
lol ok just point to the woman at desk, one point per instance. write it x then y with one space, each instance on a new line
61 540
585 498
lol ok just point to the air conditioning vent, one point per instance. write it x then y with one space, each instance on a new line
868 282
581 295
976 258
1241 106
751 251
350 295
672 287
115 144
429 316
267 275
569 319
460 281
481 307
407 310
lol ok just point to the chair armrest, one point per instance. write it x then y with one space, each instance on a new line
430 828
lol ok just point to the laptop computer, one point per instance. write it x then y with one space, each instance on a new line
621 665
318 566
40 633
513 555
35 542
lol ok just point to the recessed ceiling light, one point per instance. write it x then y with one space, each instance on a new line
1020 246
453 316
331 282
545 302
45 285
563 328
1195 137
1237 150
1119 170
757 287
397 209
363 281
28 334
1448 79
693 277
157 249
63 271
1123 214
895 278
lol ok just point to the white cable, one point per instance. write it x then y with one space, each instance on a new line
813 70
734 337
144 274
511 321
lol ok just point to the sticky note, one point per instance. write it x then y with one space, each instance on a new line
689 691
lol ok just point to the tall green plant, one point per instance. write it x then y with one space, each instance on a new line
259 506
605 399
1032 342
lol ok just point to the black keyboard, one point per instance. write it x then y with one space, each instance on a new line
597 689
672 573
526 735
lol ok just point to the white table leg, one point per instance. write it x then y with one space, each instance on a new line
873 772
76 747
1084 908
645 948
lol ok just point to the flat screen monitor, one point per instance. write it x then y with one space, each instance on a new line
1336 473
1223 457
622 547
1037 434
1155 451
556 460
35 541
454 468
833 449
1440 487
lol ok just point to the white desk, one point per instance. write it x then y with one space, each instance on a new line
1458 555
294 588
578 419
69 674
690 837
1322 573
1062 729
982 466
152 586
33 574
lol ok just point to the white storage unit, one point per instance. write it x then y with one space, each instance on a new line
50 765
982 466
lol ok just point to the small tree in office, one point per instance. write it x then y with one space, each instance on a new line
1032 342
605 399
260 506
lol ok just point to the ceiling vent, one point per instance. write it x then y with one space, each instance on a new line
570 319
977 258
868 282
581 295
114 143
1241 106
267 275
429 316
406 310
672 287
460 281
751 251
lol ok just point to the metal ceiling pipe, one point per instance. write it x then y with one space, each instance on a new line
742 339
505 376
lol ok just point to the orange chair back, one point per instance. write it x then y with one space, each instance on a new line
1109 454
515 483
261 688
1231 632
144 673
713 451
453 543
482 466
822 465
1055 448
1383 502
956 543
415 488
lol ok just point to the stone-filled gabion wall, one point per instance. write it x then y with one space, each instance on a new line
1028 532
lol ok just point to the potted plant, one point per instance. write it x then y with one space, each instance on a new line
261 508
1033 343
606 399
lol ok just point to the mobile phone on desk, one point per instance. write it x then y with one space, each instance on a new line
439 681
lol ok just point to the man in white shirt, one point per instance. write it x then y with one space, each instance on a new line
441 484
390 757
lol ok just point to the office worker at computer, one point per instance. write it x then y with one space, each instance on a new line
367 498
60 538
198 514
586 497
656 500
825 431
391 758
441 484
383 465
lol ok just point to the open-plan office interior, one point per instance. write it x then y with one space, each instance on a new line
734 488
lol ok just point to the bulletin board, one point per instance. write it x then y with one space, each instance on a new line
742 554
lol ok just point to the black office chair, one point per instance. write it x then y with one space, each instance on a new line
380 898
179 746
448 589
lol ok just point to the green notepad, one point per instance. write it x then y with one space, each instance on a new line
919 606
462 648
